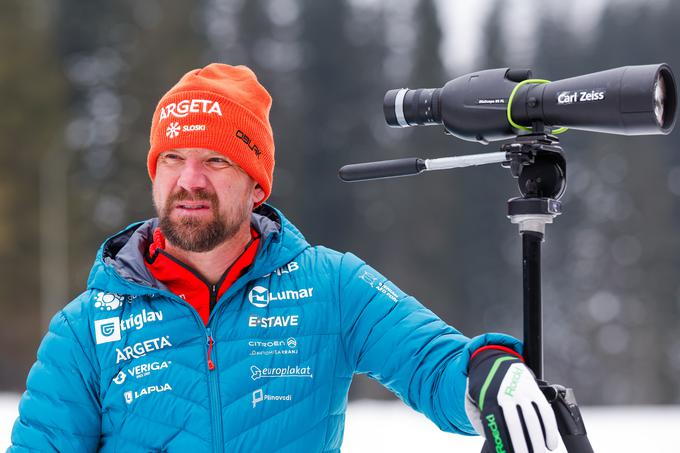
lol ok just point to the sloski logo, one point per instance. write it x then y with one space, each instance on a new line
260 296
107 330
173 130
108 301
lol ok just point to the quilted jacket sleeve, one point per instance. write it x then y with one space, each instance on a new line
60 409
394 339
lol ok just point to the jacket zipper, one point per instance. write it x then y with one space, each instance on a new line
214 396
213 389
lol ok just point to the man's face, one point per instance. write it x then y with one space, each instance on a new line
202 198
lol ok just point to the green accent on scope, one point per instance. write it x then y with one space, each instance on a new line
512 96
489 378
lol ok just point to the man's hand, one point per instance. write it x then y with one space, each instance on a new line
505 405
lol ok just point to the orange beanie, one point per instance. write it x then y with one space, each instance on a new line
222 108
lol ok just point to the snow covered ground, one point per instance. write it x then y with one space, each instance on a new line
374 426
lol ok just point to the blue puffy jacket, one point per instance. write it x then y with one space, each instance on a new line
125 366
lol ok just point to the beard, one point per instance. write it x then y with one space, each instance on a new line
200 235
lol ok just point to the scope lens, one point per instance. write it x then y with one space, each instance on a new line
404 107
659 99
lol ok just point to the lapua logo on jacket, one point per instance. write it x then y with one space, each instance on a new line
130 396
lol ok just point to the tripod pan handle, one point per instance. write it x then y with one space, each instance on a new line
382 169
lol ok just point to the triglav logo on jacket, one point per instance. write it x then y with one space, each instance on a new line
107 330
259 396
108 301
137 321
142 348
260 296
280 372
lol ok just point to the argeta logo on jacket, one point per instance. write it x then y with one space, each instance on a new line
142 348
260 296
107 330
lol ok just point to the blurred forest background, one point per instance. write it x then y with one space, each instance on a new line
79 81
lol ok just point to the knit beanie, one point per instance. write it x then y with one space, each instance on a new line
222 108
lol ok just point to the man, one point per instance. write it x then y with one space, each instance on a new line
217 327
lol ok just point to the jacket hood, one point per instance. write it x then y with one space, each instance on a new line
119 266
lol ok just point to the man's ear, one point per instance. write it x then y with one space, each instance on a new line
258 194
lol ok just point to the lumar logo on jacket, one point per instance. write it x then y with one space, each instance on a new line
273 321
260 296
107 330
183 108
130 396
280 372
142 348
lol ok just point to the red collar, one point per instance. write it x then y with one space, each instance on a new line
187 283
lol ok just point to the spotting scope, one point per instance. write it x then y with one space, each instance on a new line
497 104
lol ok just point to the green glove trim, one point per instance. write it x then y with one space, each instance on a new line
489 378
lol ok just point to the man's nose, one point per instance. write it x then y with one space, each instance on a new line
192 176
